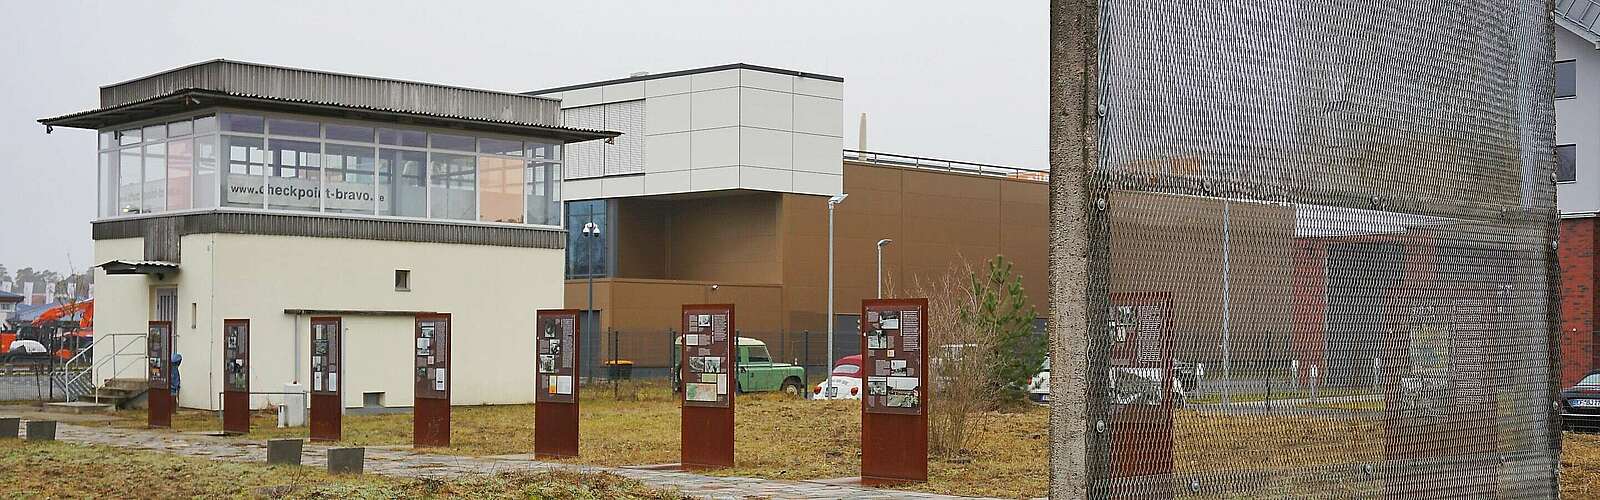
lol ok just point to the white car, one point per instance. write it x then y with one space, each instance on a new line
1039 385
845 378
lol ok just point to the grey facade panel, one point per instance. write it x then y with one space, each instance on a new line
240 78
172 227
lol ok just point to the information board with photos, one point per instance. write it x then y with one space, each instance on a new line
158 351
557 356
706 364
236 355
326 344
894 357
433 356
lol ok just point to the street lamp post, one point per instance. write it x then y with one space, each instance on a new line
881 243
833 201
590 230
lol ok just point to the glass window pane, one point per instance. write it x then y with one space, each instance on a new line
452 185
205 124
180 168
180 128
129 137
402 186
108 184
247 160
1567 163
107 139
500 147
294 175
1567 79
410 138
155 132
155 177
586 255
297 128
454 142
500 182
205 171
544 184
130 180
234 122
347 178
351 133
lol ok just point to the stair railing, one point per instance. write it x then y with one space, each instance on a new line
85 375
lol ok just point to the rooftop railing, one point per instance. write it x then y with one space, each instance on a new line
1584 13
943 165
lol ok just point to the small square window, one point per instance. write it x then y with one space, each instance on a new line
402 280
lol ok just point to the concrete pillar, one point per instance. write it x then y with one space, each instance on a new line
1075 300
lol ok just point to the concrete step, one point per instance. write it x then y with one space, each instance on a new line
77 407
131 384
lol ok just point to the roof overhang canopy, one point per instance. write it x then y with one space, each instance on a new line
156 267
196 99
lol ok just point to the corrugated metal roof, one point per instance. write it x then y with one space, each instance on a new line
195 98
293 84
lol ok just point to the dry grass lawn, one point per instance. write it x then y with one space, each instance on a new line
782 438
777 438
62 470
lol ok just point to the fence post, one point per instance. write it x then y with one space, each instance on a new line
805 349
615 368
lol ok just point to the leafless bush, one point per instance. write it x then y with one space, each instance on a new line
957 374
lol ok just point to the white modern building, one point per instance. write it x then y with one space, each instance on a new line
731 127
1577 95
232 190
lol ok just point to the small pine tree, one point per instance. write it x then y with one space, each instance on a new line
1001 312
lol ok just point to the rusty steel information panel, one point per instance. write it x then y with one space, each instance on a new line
158 350
706 366
894 420
431 419
236 376
327 409
555 426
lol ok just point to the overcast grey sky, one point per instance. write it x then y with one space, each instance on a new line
949 79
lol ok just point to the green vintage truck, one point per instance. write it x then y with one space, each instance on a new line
756 370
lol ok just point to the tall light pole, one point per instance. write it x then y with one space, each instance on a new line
881 243
590 230
833 201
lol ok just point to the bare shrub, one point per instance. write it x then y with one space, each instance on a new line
958 374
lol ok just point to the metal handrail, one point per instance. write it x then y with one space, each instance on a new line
116 352
957 166
1584 13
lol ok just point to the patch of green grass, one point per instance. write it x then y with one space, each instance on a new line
58 469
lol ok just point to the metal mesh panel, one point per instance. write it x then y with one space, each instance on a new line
585 159
622 155
1339 215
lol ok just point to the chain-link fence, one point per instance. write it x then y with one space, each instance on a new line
1340 215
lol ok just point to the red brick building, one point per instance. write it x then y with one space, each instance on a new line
1576 251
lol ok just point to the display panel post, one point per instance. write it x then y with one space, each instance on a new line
706 366
327 363
894 398
158 352
236 376
431 418
557 355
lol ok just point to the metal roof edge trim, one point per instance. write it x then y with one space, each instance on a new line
694 71
334 73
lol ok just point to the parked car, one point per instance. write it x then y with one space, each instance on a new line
846 378
1580 404
756 370
1039 386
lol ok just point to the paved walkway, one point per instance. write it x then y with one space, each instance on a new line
401 462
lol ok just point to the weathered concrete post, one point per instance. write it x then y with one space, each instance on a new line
9 427
346 460
1074 77
41 430
284 451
